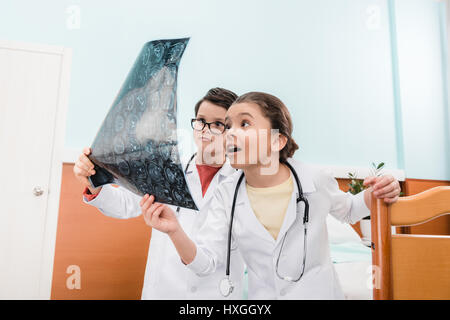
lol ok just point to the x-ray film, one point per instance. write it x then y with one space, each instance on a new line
136 145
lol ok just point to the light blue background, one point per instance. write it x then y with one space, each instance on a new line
361 87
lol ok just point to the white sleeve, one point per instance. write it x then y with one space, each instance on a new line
211 240
345 207
116 202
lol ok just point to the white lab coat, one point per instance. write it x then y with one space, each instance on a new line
166 277
260 250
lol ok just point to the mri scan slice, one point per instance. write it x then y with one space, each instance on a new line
136 146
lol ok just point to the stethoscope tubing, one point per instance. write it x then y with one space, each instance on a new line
300 198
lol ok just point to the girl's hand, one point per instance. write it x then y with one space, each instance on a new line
158 215
162 218
84 168
384 187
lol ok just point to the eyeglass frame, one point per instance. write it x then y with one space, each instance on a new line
207 124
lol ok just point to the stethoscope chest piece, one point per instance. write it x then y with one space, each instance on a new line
226 286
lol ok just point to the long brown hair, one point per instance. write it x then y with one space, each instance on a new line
279 116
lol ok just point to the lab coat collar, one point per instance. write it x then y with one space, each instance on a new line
227 169
294 210
224 172
195 184
221 175
304 174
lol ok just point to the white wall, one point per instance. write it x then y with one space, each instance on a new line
422 40
330 61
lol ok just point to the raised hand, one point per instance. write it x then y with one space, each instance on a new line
84 168
384 187
158 215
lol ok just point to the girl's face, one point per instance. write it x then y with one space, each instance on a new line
249 137
210 145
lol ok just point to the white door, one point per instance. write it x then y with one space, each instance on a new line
33 101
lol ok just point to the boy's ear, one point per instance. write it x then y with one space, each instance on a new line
279 142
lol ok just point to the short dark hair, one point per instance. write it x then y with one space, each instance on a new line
278 115
218 96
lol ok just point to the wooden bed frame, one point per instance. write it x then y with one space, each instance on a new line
407 266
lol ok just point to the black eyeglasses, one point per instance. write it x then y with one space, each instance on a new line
215 127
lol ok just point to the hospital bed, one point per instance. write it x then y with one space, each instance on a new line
352 260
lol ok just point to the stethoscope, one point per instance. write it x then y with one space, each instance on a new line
226 286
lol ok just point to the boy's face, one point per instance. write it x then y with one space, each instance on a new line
210 145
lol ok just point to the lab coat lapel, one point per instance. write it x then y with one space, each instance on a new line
249 219
289 217
196 186
221 175
293 211
245 211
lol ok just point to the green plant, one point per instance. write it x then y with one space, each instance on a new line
356 185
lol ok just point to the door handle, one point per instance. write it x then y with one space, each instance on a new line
38 191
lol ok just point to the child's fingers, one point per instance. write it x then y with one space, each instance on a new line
79 171
88 163
145 214
87 151
83 166
147 203
152 211
369 181
157 212
381 191
383 182
145 197
391 194
153 207
391 200
147 210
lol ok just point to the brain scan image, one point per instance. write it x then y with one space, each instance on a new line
136 146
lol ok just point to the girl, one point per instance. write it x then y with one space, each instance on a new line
165 275
278 209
